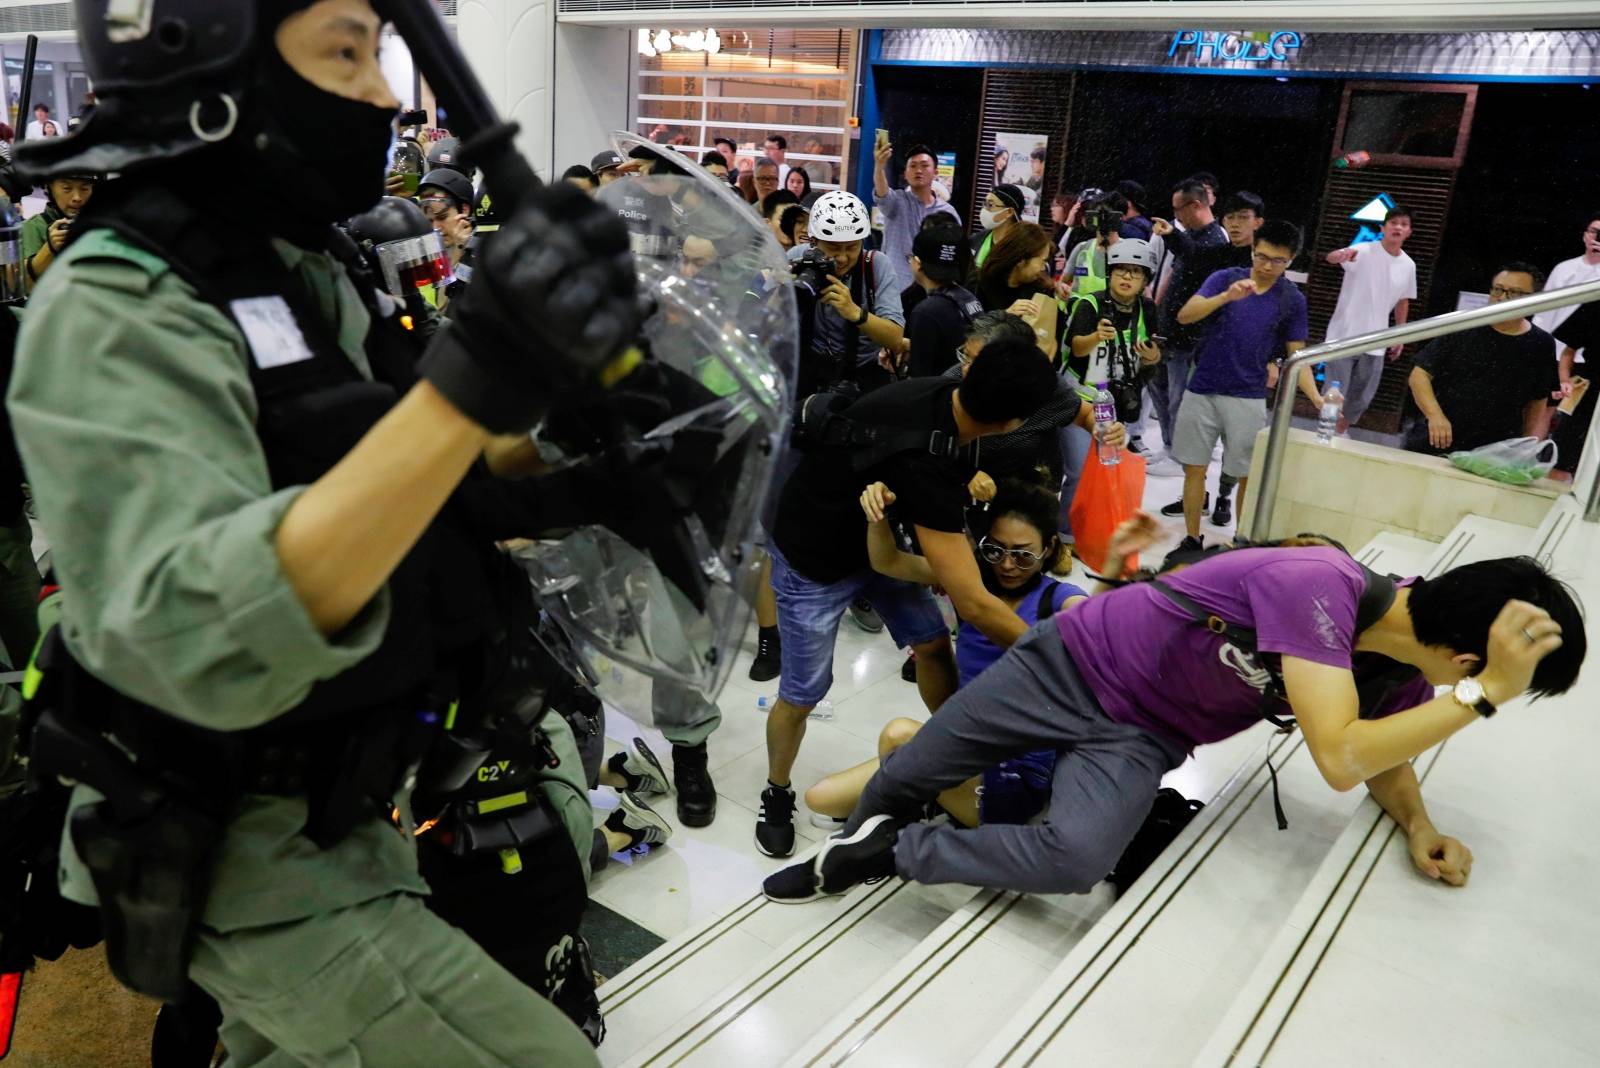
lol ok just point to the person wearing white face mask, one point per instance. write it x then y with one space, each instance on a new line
1002 209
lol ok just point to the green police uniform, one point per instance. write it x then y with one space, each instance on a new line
134 412
36 231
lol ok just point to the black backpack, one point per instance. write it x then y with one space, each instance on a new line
1169 815
822 423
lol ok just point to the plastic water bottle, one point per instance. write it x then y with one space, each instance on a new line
1105 413
823 712
1328 419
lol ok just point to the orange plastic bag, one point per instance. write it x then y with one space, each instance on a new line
1107 494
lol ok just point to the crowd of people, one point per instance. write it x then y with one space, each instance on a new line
1001 339
319 757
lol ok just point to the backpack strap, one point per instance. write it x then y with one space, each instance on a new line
869 277
1046 606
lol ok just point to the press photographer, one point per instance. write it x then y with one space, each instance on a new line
1112 333
849 305
1086 265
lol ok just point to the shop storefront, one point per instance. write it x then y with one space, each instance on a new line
747 84
1484 136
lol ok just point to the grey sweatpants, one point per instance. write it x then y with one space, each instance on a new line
1358 377
1105 780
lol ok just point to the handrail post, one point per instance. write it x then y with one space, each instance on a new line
1266 495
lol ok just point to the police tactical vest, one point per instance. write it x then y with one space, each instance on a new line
451 595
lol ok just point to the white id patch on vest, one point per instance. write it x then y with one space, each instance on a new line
268 324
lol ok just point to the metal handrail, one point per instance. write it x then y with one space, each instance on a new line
1420 330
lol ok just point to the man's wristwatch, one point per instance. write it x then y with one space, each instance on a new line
865 314
1469 694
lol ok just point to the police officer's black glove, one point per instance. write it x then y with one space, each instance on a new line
550 313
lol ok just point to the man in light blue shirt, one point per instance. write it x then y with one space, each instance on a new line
905 209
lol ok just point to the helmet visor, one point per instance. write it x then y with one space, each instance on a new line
411 263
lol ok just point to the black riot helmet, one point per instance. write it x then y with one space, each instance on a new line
187 62
402 245
452 182
177 78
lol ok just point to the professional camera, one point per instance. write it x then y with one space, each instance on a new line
1101 215
811 271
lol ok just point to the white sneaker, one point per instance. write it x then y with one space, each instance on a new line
642 824
827 823
1163 466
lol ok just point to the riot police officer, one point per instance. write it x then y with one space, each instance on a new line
243 516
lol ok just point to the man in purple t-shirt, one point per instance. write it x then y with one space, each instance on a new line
1253 318
1124 685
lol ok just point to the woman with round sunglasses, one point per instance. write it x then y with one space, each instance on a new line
1014 555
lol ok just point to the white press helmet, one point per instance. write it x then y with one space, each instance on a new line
840 216
1132 250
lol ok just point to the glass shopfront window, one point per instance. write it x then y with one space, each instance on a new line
747 85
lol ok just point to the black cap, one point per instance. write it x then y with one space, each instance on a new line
605 161
1133 191
1013 197
939 250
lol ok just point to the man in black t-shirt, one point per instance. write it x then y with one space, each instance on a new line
1579 333
1484 385
937 326
1194 250
819 545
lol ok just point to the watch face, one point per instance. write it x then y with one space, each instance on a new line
1469 692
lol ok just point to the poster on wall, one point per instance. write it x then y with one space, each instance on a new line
945 179
1019 160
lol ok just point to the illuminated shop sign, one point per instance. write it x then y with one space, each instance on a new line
659 42
1371 216
1256 47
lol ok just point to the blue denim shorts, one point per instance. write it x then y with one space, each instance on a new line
808 622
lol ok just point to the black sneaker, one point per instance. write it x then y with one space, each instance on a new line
775 825
1222 514
641 772
793 885
865 616
863 857
642 824
1190 543
767 664
697 796
908 670
1176 507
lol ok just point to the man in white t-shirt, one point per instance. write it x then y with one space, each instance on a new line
1379 279
1576 271
42 125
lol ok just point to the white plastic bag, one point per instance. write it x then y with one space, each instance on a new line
1516 461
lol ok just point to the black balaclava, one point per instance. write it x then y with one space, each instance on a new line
329 151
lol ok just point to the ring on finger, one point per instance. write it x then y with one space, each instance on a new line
1526 633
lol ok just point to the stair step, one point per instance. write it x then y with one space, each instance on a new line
1188 932
1480 538
938 1004
1397 554
775 1003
